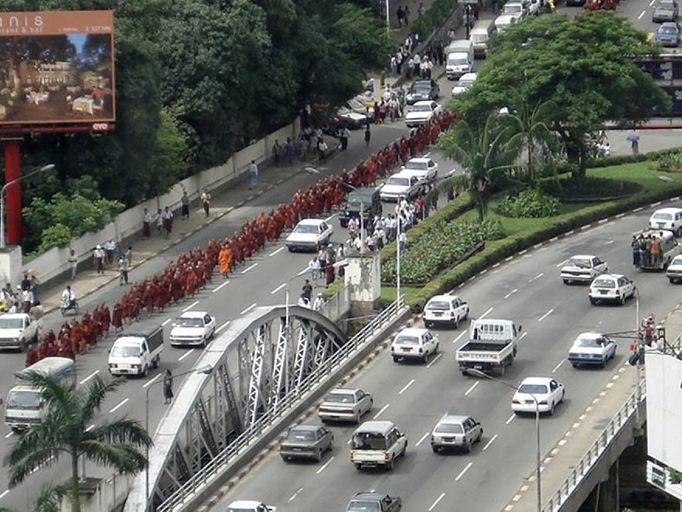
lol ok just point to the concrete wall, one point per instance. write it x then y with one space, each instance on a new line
54 262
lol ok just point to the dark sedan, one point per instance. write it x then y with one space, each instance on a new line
422 90
665 10
668 34
306 442
374 502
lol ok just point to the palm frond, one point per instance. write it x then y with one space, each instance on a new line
93 396
125 458
22 468
123 430
50 498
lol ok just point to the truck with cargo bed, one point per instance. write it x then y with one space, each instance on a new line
492 346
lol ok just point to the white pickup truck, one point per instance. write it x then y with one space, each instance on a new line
492 346
17 330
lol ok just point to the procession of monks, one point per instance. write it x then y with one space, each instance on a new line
188 274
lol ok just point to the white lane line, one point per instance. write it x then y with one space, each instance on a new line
222 326
546 315
11 433
121 404
277 251
487 445
559 365
435 503
473 386
325 465
609 242
458 337
278 288
4 494
151 381
329 219
249 268
461 474
165 322
434 360
89 377
422 438
511 418
191 306
182 357
293 496
406 387
307 269
90 428
248 309
536 277
523 335
641 15
381 411
652 3
219 287
561 264
486 313
511 293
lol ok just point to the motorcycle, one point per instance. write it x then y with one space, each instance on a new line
66 306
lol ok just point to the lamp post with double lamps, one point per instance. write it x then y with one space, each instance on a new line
538 486
206 370
44 168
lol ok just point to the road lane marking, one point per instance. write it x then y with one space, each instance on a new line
278 288
249 268
561 264
11 433
121 404
307 269
293 496
461 474
523 335
641 15
272 254
557 366
89 377
150 381
165 322
511 418
248 309
546 315
182 357
609 242
536 277
325 465
652 3
487 445
405 387
486 313
435 503
222 326
422 439
90 428
191 306
458 337
219 287
381 411
473 386
4 494
511 293
434 360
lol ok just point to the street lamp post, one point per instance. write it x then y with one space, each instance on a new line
44 168
205 370
538 486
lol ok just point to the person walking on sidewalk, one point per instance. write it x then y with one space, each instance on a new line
276 152
73 262
99 256
129 256
167 217
123 271
368 135
184 201
290 151
253 175
206 201
159 221
167 387
146 224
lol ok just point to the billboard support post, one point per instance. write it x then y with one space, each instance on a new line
13 173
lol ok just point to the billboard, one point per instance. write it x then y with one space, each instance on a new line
664 422
57 68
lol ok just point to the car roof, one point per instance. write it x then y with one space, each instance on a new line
413 331
305 428
403 173
443 297
244 504
13 315
424 102
366 495
590 256
536 380
667 210
677 258
504 17
592 335
344 391
419 160
194 314
375 426
468 76
311 222
453 418
611 276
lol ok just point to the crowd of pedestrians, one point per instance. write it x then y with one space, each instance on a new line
25 298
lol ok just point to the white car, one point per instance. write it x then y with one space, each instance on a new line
309 235
674 270
465 81
192 328
667 218
421 113
343 404
413 343
424 168
445 309
456 432
402 184
249 506
17 330
611 288
548 392
514 9
583 268
504 21
591 348
532 7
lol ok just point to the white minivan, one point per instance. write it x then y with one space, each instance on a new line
667 218
377 443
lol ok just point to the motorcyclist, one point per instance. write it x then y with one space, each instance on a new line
68 298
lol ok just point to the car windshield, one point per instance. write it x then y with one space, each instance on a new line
125 351
420 166
23 400
677 261
663 216
668 29
407 340
357 198
513 8
421 86
306 229
420 108
604 283
579 262
364 506
369 441
340 398
11 323
355 104
190 322
438 305
458 61
466 83
449 428
533 389
590 342
402 182
300 435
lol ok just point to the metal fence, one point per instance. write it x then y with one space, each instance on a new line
213 469
585 464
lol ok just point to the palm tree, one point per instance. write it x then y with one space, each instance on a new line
63 432
483 153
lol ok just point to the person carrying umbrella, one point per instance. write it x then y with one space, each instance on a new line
633 138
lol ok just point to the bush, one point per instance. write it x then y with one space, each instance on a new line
670 162
529 203
589 187
55 236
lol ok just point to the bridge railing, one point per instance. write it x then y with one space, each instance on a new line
584 466
264 422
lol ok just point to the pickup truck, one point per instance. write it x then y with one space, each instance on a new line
17 330
492 346
137 350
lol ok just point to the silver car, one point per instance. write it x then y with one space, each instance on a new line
456 432
306 442
665 10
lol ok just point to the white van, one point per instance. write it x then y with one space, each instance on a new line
479 36
377 443
459 58
24 406
137 350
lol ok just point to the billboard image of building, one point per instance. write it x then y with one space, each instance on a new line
57 67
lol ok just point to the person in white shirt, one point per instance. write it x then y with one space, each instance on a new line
318 303
68 297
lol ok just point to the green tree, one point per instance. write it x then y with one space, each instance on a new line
63 432
584 66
